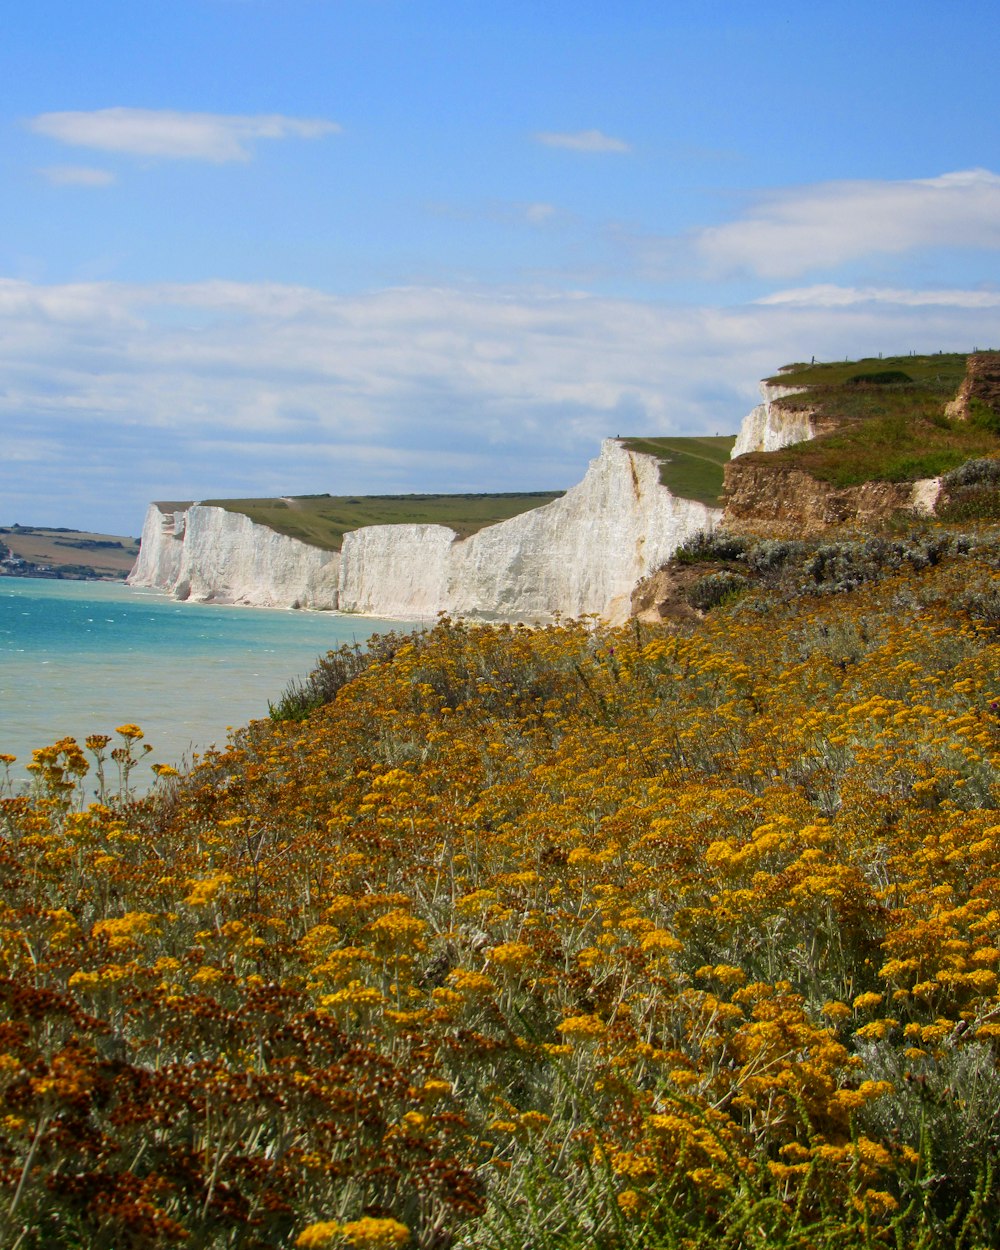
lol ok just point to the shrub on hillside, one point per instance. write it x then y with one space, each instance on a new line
971 492
879 377
981 472
332 672
984 416
770 554
715 588
711 545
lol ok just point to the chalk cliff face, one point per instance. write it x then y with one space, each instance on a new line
769 427
396 570
605 534
216 556
580 554
161 548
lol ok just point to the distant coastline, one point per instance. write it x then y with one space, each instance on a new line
65 554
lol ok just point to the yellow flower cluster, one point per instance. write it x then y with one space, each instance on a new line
368 1233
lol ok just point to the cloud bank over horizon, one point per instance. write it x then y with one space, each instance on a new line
216 389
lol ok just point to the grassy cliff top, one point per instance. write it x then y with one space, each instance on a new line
885 419
323 520
689 467
942 370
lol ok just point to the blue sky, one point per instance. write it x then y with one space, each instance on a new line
255 247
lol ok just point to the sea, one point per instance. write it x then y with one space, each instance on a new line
78 658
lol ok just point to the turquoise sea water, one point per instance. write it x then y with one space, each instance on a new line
82 657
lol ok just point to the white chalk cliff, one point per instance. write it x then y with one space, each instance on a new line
583 553
215 556
769 427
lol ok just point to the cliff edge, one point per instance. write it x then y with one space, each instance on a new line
580 554
854 442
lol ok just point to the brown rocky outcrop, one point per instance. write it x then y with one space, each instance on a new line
982 382
662 596
788 503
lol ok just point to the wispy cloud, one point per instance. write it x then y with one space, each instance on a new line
77 176
582 141
165 133
539 213
827 295
794 231
503 212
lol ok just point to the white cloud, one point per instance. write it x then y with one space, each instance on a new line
537 214
582 141
77 176
827 295
166 133
794 231
218 388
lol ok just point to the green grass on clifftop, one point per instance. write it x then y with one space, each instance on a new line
689 467
945 370
886 419
323 520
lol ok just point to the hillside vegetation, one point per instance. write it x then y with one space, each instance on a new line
885 419
565 938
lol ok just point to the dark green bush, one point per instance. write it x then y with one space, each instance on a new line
984 416
883 377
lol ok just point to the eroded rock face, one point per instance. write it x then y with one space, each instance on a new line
769 427
788 503
981 381
768 498
580 554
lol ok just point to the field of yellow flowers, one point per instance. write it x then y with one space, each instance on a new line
557 938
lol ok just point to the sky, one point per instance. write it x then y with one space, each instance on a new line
277 247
